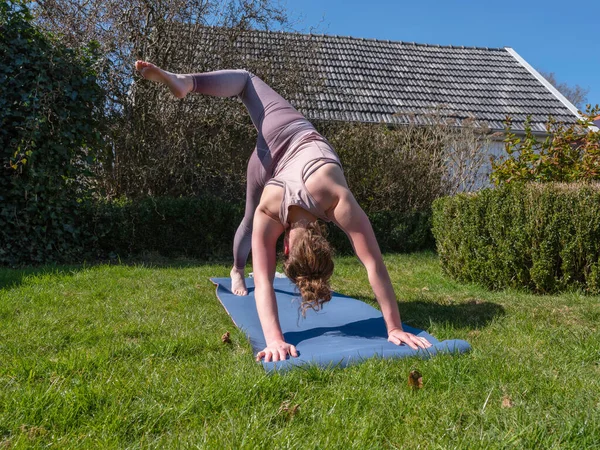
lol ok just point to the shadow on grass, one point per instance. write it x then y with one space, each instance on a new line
470 314
13 277
10 278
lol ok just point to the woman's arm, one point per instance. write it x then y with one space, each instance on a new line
265 233
350 217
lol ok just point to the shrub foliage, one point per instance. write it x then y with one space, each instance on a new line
192 227
49 104
542 236
569 153
404 168
203 227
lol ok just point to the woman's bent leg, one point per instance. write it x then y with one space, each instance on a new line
269 111
242 242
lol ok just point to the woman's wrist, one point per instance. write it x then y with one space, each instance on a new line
395 328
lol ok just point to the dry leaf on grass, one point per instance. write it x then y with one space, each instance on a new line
507 402
225 338
474 301
415 379
33 432
289 411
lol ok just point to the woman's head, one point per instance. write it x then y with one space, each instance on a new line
309 264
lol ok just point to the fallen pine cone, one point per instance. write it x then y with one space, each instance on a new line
415 379
225 338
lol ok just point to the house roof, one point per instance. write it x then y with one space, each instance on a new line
370 80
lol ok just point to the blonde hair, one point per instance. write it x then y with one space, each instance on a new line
309 266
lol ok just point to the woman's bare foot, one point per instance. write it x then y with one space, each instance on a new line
238 283
179 85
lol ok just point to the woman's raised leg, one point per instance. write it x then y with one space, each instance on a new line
221 83
180 85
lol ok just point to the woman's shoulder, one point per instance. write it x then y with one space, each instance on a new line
270 200
327 184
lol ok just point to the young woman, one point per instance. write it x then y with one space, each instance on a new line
294 178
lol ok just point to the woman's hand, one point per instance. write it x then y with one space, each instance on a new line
277 351
399 337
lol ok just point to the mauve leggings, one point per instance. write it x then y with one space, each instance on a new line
277 123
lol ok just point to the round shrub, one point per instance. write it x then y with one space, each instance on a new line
540 236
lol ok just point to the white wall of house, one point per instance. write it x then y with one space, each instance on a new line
494 150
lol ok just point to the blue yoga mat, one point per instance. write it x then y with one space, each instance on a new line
346 331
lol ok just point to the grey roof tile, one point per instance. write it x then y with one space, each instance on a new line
382 81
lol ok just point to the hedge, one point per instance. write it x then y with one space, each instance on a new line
399 232
192 227
204 228
50 105
542 237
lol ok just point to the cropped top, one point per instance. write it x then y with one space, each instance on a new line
307 153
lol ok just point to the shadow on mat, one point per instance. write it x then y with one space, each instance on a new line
368 328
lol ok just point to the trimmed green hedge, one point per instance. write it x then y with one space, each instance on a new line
544 237
204 228
395 232
193 227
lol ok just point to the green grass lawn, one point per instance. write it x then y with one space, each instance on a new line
130 356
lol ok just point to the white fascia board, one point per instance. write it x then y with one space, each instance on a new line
545 82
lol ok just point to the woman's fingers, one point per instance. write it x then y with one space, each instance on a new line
425 342
414 342
417 341
411 344
277 353
282 355
394 340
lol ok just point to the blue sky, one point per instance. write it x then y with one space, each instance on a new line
552 36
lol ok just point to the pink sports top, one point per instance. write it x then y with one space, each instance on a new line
307 153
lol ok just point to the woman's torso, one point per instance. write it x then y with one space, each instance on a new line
325 186
297 169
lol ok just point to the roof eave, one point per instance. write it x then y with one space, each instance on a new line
545 82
